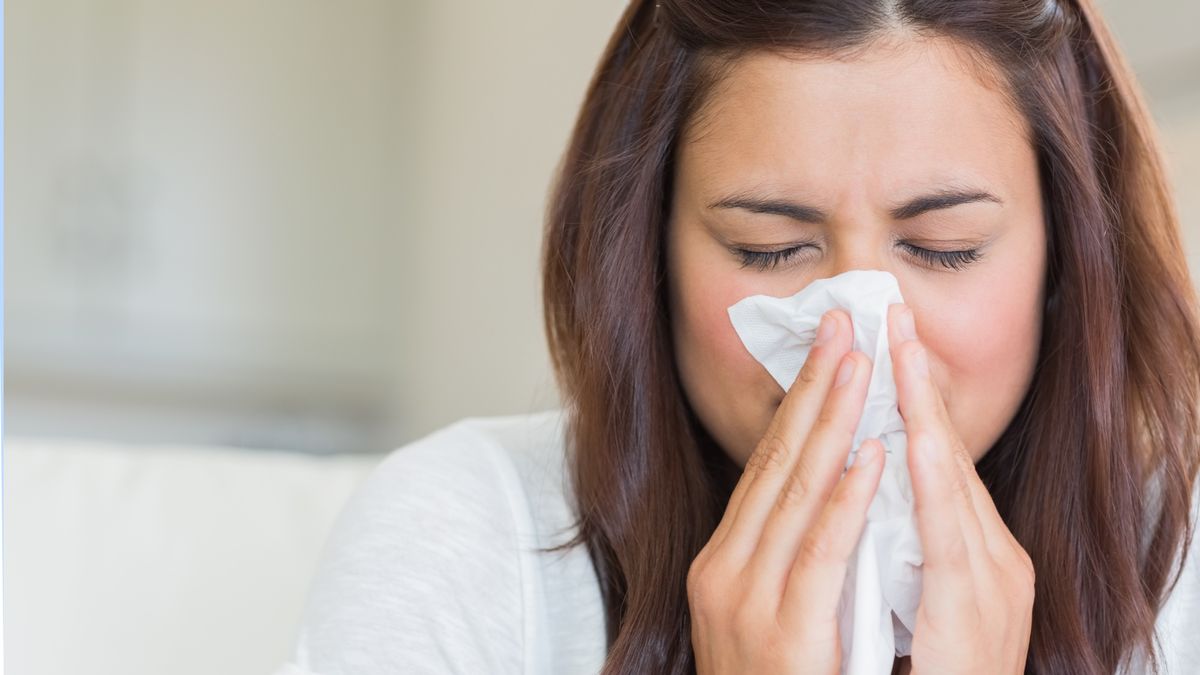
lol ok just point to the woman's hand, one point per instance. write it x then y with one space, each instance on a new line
764 590
977 595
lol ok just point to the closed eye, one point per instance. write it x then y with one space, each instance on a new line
951 260
954 260
763 260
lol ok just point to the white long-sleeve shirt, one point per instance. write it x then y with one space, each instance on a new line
430 567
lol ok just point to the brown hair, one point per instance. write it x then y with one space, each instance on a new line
1111 411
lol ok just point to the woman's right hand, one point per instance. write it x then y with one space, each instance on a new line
764 590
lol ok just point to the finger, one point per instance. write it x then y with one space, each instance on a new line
948 588
922 399
772 459
813 584
815 474
999 539
920 402
924 409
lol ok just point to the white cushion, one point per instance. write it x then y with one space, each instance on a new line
133 560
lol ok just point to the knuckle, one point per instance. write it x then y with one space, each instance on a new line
810 372
1026 562
701 587
816 549
962 456
708 584
770 455
836 416
910 349
962 489
844 494
833 420
777 645
798 484
745 616
746 624
956 551
1020 587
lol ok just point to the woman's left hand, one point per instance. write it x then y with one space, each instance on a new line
977 592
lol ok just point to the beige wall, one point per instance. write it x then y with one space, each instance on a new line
499 92
1180 135
251 223
200 196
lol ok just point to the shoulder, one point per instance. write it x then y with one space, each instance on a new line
534 446
501 476
428 566
475 457
570 618
475 475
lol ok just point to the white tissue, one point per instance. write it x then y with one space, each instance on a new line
878 607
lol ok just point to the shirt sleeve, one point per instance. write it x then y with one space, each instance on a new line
421 573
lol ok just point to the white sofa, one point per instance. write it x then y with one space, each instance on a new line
161 560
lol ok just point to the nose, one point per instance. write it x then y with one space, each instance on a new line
859 251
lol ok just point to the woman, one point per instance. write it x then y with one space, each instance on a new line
996 157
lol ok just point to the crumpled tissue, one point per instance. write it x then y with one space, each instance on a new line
878 607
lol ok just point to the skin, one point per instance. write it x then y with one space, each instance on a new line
855 137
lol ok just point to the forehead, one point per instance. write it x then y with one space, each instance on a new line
893 116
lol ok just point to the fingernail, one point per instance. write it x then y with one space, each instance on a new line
866 453
920 363
845 372
826 330
908 329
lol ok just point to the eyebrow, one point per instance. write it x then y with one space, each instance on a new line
944 198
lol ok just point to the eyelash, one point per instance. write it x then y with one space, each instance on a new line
952 260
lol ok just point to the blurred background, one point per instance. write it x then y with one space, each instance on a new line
314 226
303 226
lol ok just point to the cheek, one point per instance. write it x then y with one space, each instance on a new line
971 344
708 333
731 393
983 345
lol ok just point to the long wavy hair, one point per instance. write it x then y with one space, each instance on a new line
1094 474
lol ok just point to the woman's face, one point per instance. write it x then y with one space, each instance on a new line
847 142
